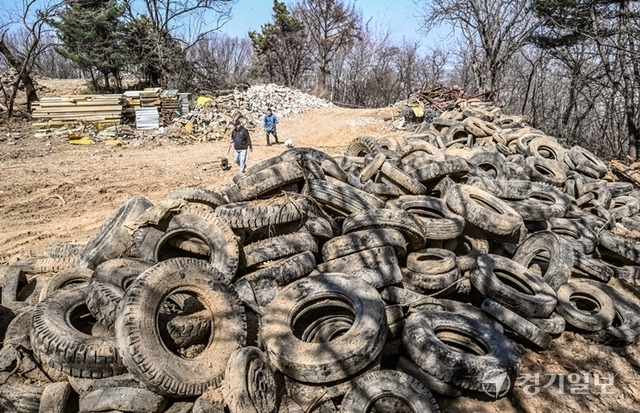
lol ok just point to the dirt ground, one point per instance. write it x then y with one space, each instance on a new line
53 192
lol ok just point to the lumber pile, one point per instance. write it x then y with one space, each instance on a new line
84 108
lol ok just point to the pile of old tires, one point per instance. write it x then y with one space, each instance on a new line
355 283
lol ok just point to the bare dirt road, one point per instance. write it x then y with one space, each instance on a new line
52 192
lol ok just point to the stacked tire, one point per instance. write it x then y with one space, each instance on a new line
367 281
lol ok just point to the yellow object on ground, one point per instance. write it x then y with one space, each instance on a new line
82 141
203 100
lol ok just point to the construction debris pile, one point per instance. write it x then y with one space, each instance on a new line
370 280
425 104
213 117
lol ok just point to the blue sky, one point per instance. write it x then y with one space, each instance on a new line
400 16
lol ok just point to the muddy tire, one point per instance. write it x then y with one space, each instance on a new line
396 176
54 398
405 365
484 211
341 197
123 399
519 325
513 285
625 328
397 219
266 180
429 347
278 247
143 351
553 325
256 214
108 285
542 202
436 220
60 345
362 146
553 252
198 196
365 239
249 384
65 278
377 266
620 246
112 240
290 314
367 391
156 243
431 261
599 312
372 167
18 396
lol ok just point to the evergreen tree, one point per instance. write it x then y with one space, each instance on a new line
281 47
92 36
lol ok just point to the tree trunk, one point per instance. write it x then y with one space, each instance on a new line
23 75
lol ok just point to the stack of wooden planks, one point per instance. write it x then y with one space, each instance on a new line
79 108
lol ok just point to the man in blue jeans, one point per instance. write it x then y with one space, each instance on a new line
240 140
270 121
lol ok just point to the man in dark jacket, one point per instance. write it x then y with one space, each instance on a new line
240 140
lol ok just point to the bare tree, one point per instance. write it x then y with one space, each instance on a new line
494 30
30 25
331 26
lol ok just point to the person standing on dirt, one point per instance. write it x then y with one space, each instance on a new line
240 140
270 121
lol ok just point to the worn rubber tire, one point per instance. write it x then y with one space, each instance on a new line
625 328
330 361
65 278
266 180
256 214
553 325
579 236
546 171
431 282
198 196
405 365
542 202
369 388
341 197
108 284
431 261
513 285
620 246
400 178
372 167
365 239
454 366
387 218
519 325
596 320
484 210
61 346
54 398
224 251
141 346
18 395
362 145
249 383
434 216
378 266
112 240
122 399
278 247
560 257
